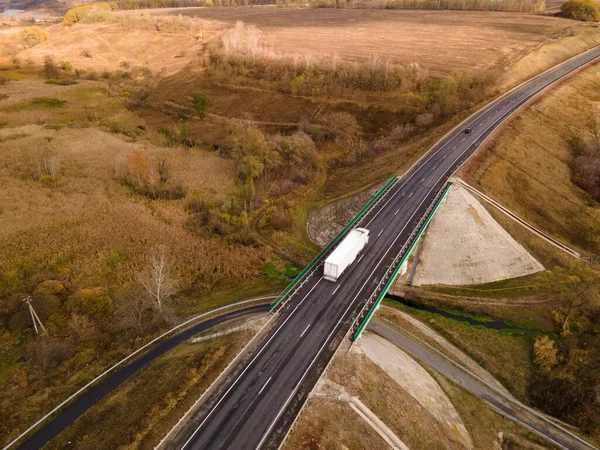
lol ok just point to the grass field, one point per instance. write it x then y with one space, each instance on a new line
441 41
505 356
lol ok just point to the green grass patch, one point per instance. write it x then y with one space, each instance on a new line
48 102
280 270
456 312
506 354
14 75
85 93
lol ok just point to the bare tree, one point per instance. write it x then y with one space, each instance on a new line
83 326
296 60
164 170
158 281
253 37
132 305
374 61
387 65
307 60
336 61
50 67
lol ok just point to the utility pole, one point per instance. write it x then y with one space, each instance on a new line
34 317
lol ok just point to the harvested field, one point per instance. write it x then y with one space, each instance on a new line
103 47
442 41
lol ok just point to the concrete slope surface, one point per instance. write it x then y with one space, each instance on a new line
465 245
510 409
255 406
417 382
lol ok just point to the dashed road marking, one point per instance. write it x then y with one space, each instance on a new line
265 385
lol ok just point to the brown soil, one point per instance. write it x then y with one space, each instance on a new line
442 41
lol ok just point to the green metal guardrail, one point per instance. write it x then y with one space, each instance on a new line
381 295
332 243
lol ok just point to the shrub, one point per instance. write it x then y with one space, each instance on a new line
94 303
50 67
33 35
78 13
67 82
96 14
50 287
47 354
581 9
48 102
66 66
200 103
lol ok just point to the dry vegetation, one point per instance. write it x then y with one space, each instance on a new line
143 409
117 172
80 239
441 42
528 166
543 165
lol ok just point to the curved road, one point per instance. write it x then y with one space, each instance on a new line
254 408
502 403
98 391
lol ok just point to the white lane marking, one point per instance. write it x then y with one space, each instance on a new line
326 342
445 156
423 179
411 194
345 312
434 167
249 365
361 257
337 287
453 148
265 385
307 327
352 302
380 233
396 213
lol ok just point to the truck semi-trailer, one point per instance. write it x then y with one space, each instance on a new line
345 253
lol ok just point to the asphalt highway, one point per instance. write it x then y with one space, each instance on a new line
257 404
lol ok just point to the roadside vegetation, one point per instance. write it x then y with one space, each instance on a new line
581 10
143 186
141 411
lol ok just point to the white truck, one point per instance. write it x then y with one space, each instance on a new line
345 253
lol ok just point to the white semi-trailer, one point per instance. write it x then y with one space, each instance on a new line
345 253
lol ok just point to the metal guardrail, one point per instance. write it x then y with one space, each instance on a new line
328 247
390 275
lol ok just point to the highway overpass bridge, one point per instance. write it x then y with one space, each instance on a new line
257 404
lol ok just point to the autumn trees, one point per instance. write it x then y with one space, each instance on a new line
581 10
566 383
151 178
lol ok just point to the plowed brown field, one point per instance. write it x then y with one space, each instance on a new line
441 41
